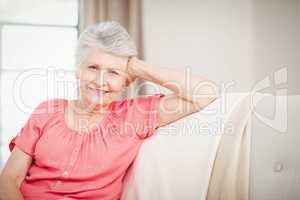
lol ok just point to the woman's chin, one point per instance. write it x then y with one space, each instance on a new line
96 100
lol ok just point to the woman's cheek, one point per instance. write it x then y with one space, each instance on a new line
117 83
89 76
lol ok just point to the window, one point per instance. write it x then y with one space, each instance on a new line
37 46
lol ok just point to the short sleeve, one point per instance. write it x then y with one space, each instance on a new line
143 114
29 134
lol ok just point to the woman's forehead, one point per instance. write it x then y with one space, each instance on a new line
104 59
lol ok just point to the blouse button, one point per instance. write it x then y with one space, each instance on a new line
65 173
76 150
58 182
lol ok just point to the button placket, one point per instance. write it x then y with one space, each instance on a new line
73 158
69 165
74 154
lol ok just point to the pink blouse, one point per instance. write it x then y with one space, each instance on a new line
90 166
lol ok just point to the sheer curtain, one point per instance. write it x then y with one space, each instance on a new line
127 12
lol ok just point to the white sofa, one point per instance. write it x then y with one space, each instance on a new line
275 155
174 166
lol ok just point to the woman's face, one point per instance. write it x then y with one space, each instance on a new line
102 77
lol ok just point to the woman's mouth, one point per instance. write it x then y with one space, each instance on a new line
97 92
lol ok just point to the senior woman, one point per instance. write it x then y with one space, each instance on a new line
81 149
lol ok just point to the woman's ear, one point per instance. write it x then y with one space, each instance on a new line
129 81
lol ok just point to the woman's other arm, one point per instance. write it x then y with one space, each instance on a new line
13 174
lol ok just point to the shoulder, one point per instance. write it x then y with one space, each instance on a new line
135 104
49 106
47 109
137 100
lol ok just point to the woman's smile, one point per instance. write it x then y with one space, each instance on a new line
97 92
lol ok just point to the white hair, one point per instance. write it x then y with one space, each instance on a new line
109 36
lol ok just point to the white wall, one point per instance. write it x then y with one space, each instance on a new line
226 40
276 43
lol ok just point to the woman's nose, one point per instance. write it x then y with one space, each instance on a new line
101 78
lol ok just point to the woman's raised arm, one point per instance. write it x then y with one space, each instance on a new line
190 92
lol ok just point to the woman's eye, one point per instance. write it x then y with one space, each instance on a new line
92 67
114 72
